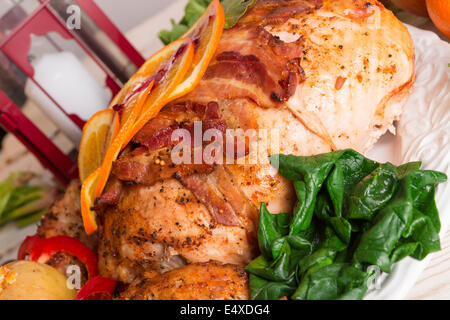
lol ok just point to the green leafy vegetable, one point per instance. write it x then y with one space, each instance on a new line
262 289
22 202
31 218
334 281
373 192
272 228
234 10
353 215
6 189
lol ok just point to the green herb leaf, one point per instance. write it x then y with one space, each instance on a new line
234 10
379 241
168 36
32 218
321 257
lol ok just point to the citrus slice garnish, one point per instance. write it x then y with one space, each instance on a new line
205 34
88 201
169 74
97 135
158 77
118 141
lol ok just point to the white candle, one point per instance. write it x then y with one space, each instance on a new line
68 82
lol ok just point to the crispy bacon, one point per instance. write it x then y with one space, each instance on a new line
281 49
157 133
111 194
145 167
208 194
212 111
223 198
289 85
259 66
245 69
161 138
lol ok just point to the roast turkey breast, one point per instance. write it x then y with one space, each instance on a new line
323 75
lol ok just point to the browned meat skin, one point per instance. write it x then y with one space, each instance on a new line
61 261
147 167
178 228
64 218
204 281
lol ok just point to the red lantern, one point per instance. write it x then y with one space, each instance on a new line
70 59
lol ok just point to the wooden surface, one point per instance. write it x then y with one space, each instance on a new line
434 283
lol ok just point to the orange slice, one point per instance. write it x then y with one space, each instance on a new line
205 34
118 141
148 70
88 201
179 62
168 68
93 186
97 136
169 74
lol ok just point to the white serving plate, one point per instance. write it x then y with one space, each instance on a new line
423 133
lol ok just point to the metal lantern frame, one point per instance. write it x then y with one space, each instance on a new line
16 46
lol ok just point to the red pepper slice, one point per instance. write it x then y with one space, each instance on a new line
97 288
41 250
27 246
